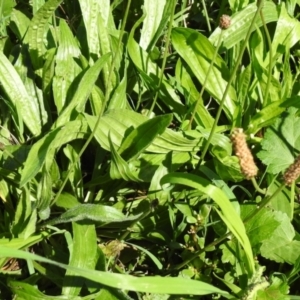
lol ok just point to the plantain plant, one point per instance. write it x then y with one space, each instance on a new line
149 149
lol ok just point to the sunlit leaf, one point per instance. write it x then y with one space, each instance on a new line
281 143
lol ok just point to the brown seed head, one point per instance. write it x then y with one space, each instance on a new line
244 154
225 22
292 173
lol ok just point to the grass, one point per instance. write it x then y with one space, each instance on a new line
123 173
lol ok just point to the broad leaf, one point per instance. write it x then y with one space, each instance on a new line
269 113
261 226
281 143
281 246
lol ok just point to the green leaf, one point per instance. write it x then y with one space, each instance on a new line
281 143
228 213
268 114
261 226
191 93
92 212
281 246
142 136
105 43
118 99
36 31
287 30
16 91
117 121
149 284
119 168
90 12
83 255
150 73
19 24
66 69
278 290
83 90
198 52
26 291
154 14
40 151
20 243
29 79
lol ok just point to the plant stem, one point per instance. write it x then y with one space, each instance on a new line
256 186
164 58
232 76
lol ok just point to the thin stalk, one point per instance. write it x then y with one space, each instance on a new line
164 62
256 186
206 16
106 98
239 59
206 78
183 7
292 200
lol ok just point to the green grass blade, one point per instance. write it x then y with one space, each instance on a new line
149 284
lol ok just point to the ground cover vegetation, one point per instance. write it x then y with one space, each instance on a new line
149 149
